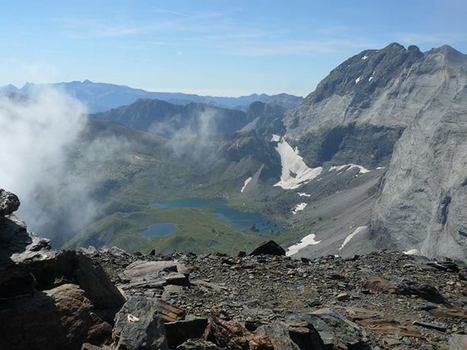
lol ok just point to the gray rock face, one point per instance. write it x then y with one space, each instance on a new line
333 328
405 110
9 203
59 318
16 243
279 335
376 87
138 327
58 299
424 195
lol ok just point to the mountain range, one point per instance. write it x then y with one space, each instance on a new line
100 97
375 158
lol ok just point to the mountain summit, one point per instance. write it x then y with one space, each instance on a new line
419 100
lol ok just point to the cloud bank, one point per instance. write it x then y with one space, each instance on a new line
44 162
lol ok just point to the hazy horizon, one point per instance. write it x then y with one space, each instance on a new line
216 48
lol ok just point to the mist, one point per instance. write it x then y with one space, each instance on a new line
46 165
195 138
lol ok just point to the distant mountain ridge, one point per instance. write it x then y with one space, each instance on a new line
166 119
100 97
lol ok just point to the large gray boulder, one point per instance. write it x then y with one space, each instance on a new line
333 330
59 318
138 326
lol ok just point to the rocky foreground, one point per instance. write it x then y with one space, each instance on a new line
109 299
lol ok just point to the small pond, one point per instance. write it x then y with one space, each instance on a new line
240 220
159 230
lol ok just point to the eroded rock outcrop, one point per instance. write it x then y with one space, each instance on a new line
49 299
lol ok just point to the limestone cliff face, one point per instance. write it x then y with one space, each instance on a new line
405 110
424 193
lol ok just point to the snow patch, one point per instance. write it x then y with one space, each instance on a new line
380 167
358 80
361 169
247 181
303 194
306 241
412 252
299 207
294 170
349 237
365 57
275 138
370 78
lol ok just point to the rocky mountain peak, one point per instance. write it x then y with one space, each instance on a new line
450 56
366 71
447 50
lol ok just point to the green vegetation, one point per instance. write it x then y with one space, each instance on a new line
197 230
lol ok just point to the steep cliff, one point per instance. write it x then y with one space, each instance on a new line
424 194
407 111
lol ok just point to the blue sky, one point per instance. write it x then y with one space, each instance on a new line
215 47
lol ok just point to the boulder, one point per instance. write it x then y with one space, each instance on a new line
177 279
180 331
75 267
15 281
232 335
278 334
423 291
59 318
305 336
335 330
138 326
169 312
145 270
14 238
77 315
198 344
268 248
9 202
